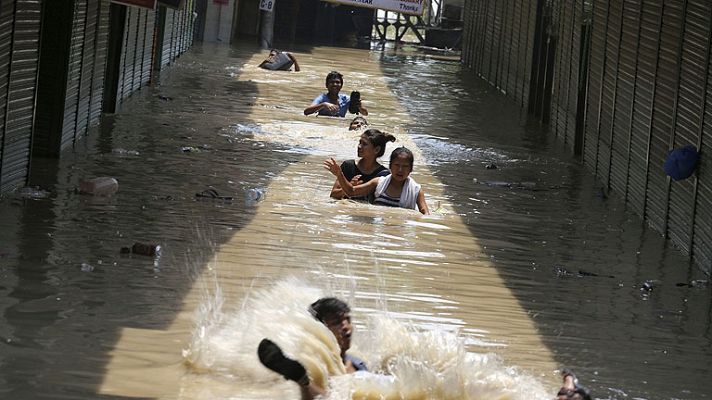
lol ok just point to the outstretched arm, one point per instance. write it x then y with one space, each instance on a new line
349 189
422 205
338 193
294 60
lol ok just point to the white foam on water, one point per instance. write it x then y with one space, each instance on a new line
406 362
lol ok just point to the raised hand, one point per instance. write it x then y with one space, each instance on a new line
332 166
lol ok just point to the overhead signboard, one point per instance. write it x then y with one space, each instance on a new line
151 4
412 7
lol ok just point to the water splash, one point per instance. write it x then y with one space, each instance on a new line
406 362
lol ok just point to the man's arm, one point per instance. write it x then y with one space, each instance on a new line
319 105
294 60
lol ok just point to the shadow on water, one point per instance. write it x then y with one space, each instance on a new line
61 267
609 297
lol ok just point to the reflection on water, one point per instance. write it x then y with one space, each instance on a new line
530 266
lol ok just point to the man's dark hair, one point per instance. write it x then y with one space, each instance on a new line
327 307
334 75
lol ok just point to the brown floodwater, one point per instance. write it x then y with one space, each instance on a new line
525 269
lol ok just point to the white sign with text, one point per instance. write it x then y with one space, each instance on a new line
267 5
412 7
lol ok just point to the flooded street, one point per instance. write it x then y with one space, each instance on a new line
528 266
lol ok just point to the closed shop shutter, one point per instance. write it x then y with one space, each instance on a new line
480 32
595 80
690 98
506 45
513 65
21 88
6 24
140 29
608 90
575 12
74 70
129 57
527 52
666 83
486 67
182 41
87 68
641 120
167 39
100 53
702 228
150 23
620 75
625 97
557 119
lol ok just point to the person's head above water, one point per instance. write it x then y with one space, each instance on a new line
334 76
334 82
358 123
377 140
401 163
336 315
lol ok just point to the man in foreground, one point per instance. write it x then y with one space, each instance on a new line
336 315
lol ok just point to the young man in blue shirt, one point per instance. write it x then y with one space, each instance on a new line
332 103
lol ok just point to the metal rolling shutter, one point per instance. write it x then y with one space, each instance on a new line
514 45
702 226
622 95
129 57
479 36
74 69
167 39
6 26
190 8
87 69
642 114
140 36
506 55
666 83
468 24
183 30
100 53
488 39
595 80
149 28
528 53
690 97
575 14
497 37
21 91
608 91
557 118
521 70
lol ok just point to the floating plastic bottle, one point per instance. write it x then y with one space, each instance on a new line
101 186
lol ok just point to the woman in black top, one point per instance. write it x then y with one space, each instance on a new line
371 146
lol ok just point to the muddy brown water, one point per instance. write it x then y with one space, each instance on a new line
526 269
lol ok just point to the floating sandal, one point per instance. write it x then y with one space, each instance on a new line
212 194
271 356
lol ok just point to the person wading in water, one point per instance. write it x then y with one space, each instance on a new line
332 103
336 315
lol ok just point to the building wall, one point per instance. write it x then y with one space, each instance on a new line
631 81
218 21
54 59
19 59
